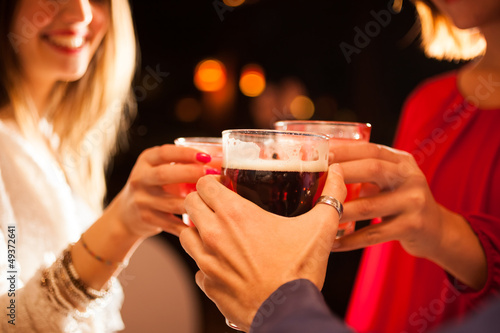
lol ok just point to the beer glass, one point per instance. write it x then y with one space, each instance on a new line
282 172
340 133
209 145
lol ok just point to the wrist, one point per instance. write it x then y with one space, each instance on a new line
105 245
460 253
115 216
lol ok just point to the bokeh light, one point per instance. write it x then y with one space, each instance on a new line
302 107
252 80
210 75
233 3
188 109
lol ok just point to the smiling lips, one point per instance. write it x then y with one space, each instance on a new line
66 42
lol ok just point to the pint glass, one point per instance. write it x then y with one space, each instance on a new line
282 172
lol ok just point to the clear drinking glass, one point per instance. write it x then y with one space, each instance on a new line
282 172
340 133
209 145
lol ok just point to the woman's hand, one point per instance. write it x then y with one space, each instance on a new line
396 190
150 198
245 253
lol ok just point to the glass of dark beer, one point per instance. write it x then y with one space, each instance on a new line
282 172
340 133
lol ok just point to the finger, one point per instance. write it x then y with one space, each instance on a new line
197 209
367 208
158 220
386 175
168 153
200 280
208 263
173 225
173 174
334 187
368 190
344 153
216 195
367 236
157 199
191 243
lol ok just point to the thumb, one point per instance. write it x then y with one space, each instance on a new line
335 188
335 185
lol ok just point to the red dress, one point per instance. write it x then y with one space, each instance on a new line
457 146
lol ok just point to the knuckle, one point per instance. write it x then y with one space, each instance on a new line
417 199
145 216
203 182
372 236
185 236
341 190
375 168
134 182
209 269
161 174
366 207
164 152
144 153
376 150
190 199
210 238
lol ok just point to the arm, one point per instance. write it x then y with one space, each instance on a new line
401 196
296 307
245 253
143 208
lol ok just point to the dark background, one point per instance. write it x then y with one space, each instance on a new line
289 39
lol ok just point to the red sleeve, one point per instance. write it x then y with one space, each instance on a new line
487 229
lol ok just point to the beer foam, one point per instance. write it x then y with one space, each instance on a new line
246 156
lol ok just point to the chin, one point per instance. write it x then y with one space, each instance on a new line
72 76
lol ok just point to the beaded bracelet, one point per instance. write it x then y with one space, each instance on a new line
118 264
76 296
61 277
91 293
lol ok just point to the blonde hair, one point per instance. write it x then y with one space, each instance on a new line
441 39
88 114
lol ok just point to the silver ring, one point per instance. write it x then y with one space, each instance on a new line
331 201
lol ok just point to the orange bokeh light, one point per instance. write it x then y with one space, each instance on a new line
252 81
233 3
210 75
302 107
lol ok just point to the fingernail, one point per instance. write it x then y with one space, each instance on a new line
203 158
212 171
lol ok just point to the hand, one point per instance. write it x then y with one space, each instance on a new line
149 199
245 253
397 191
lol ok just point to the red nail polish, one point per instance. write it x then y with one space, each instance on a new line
203 158
212 171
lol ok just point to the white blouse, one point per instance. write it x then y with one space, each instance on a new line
39 216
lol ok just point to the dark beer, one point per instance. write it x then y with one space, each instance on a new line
286 193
